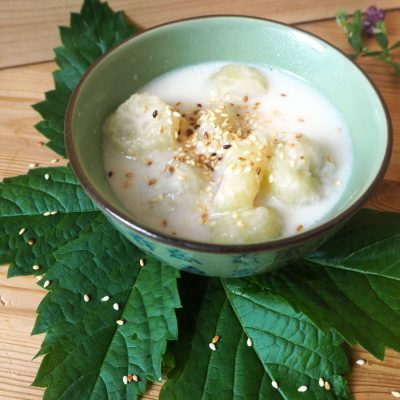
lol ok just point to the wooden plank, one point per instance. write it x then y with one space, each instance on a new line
19 297
28 29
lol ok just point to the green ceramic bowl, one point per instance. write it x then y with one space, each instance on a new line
138 60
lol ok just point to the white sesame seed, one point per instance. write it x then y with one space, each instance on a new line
212 346
22 231
38 277
116 306
327 386
302 389
125 379
141 262
55 160
47 283
105 298
36 267
249 342
321 382
86 298
120 322
53 212
47 177
360 362
396 394
275 384
47 213
33 165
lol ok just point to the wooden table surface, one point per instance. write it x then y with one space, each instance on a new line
28 31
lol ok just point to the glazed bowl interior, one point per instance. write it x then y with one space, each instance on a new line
131 65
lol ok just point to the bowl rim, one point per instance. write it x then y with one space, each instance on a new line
205 247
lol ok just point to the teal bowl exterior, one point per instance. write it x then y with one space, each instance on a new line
128 66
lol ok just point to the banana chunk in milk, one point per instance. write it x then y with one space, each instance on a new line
295 172
246 226
243 169
143 122
233 82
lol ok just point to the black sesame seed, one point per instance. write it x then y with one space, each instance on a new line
110 174
155 113
226 146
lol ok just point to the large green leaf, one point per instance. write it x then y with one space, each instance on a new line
86 352
23 202
92 32
287 348
363 308
293 351
369 243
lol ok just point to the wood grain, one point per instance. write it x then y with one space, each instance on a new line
19 145
28 29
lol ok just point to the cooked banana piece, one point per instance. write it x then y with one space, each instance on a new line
295 175
245 226
244 166
186 179
143 122
233 82
222 121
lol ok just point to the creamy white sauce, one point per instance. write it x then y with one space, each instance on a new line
290 104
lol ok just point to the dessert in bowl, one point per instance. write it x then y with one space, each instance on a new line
227 146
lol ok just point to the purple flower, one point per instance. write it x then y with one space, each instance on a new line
371 17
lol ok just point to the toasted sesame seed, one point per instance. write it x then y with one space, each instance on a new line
31 241
275 384
283 94
47 213
86 298
36 267
55 160
33 165
298 135
125 380
321 382
246 99
302 389
22 231
130 378
116 306
212 346
47 177
327 385
152 182
299 228
249 342
120 322
215 339
396 394
105 298
360 362
129 174
46 284
142 262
